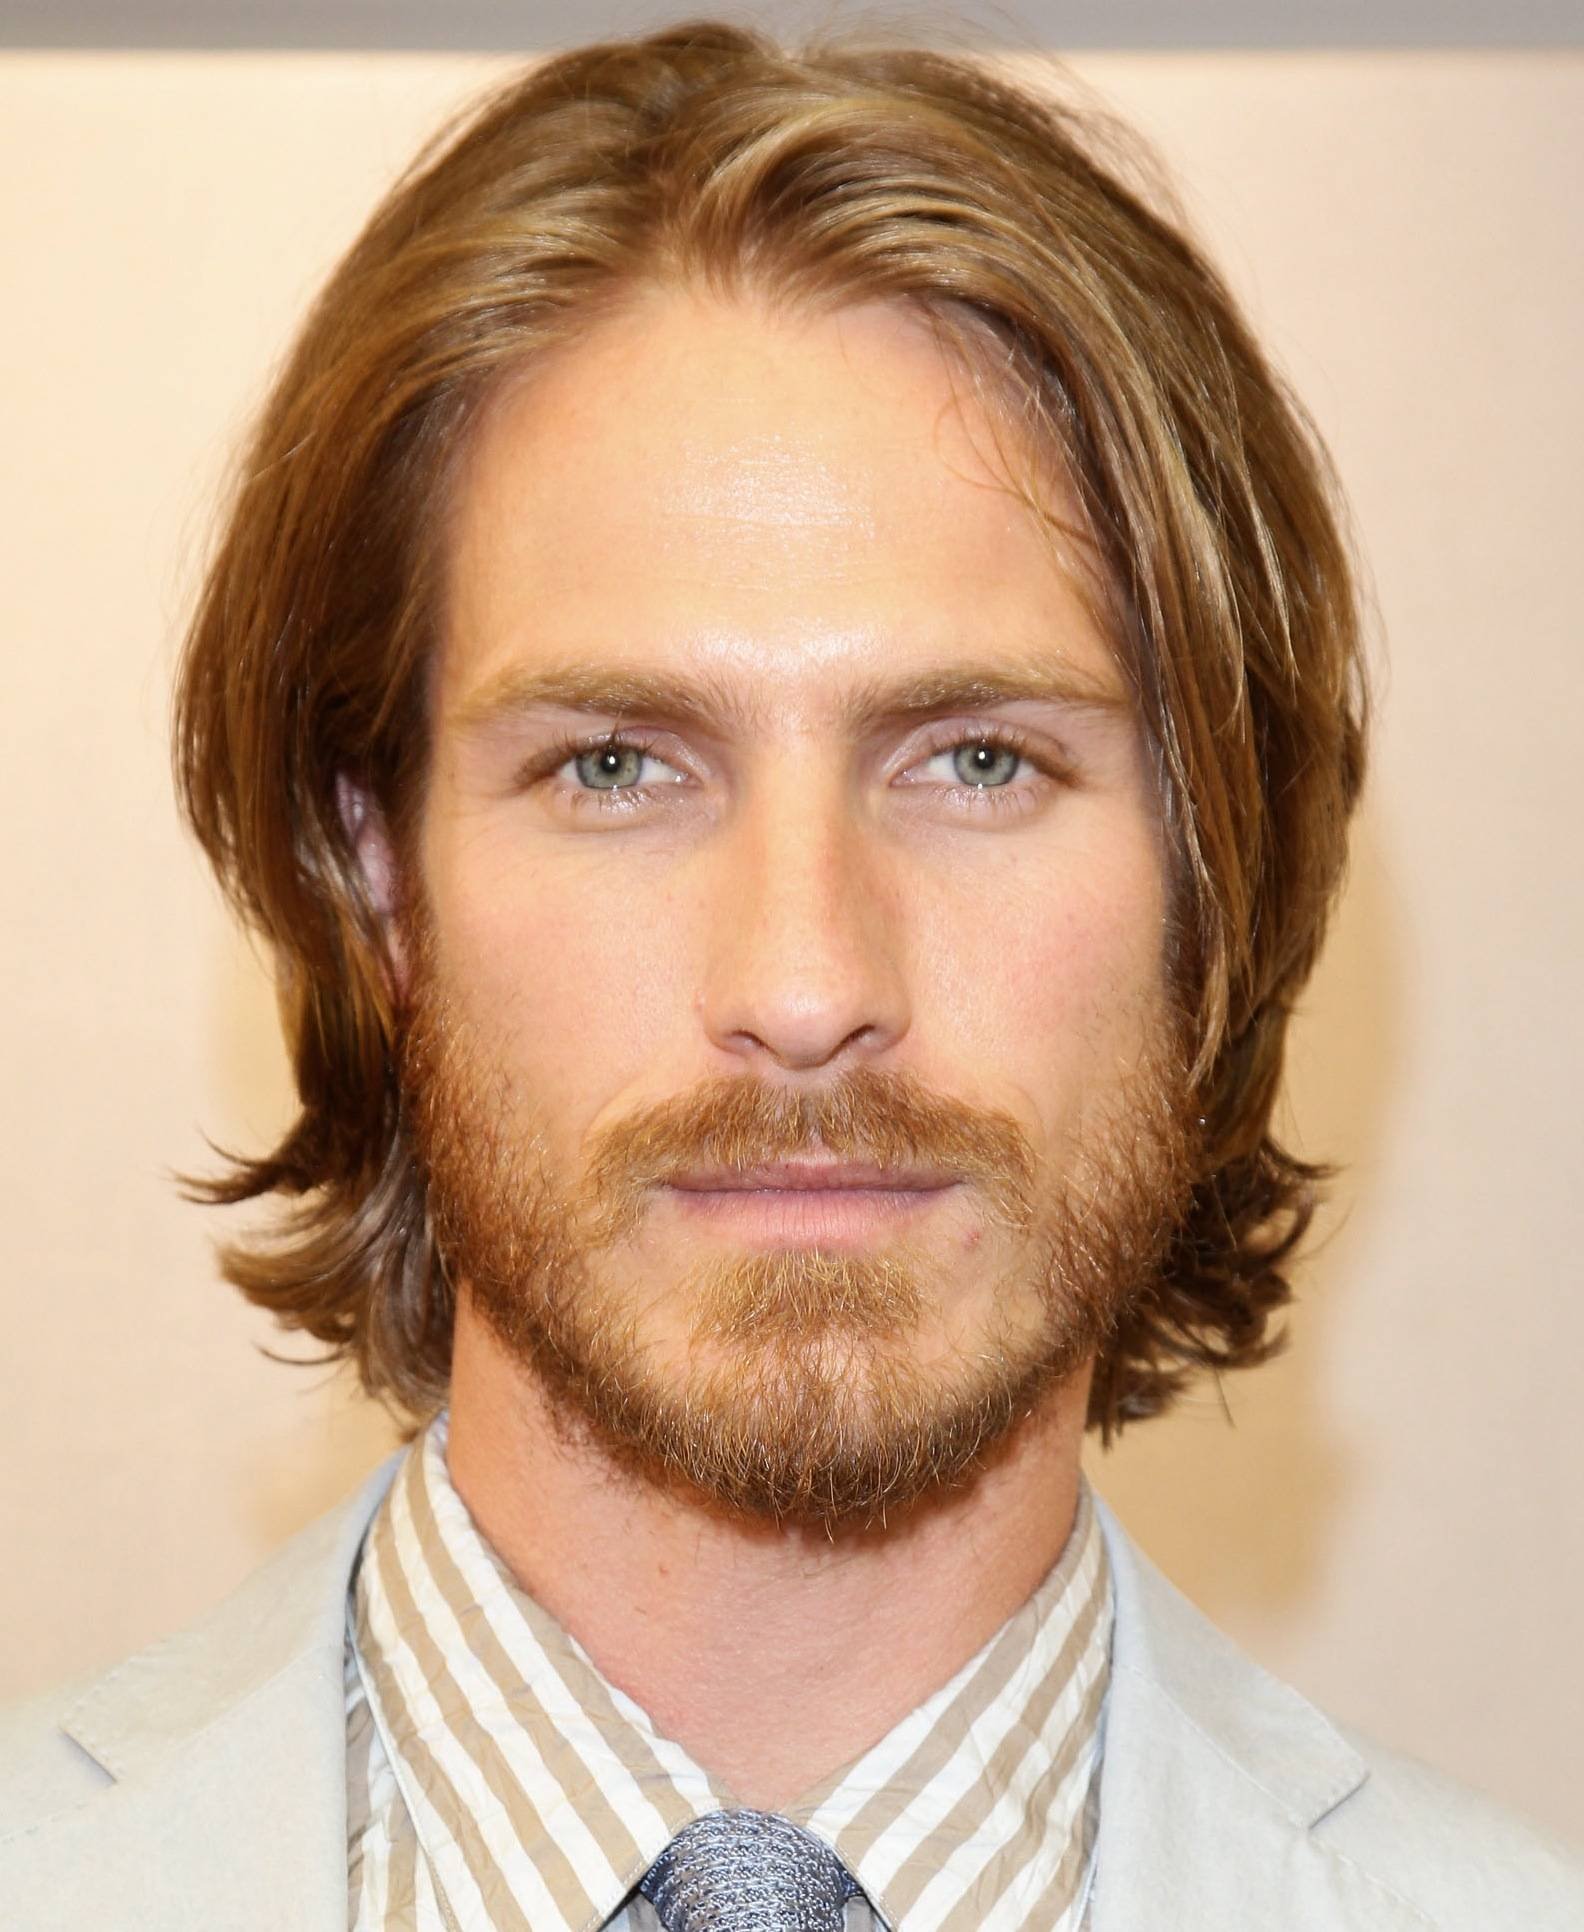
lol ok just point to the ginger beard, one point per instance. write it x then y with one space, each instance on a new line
804 1397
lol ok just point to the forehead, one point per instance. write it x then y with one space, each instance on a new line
784 500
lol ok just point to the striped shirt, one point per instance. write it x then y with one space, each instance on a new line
497 1780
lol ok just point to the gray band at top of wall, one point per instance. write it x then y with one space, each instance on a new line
507 25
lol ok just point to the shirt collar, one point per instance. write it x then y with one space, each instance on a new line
523 1768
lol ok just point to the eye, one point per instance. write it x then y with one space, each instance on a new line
616 765
982 766
974 769
990 762
601 773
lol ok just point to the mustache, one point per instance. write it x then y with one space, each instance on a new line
880 1115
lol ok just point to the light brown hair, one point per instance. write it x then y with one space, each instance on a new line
706 153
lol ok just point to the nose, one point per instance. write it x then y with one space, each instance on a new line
805 948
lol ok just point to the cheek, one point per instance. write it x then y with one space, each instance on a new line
575 982
1052 967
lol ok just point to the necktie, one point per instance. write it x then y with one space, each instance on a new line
747 1871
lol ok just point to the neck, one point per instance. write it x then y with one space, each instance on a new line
717 1627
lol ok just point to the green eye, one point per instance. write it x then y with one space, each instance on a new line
990 762
609 768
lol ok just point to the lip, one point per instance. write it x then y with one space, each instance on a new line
804 1177
834 1205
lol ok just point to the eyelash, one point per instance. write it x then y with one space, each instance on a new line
585 798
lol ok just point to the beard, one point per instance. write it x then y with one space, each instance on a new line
805 1395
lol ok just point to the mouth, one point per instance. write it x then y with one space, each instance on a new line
816 1177
828 1203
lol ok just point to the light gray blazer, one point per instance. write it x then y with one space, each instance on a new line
201 1785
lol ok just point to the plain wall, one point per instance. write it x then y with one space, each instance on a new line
1392 1520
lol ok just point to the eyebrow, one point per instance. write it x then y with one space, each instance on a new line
706 701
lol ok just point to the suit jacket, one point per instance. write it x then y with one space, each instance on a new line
201 1785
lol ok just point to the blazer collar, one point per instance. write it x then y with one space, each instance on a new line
1213 1775
292 1609
227 1744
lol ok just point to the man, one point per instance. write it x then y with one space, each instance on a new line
783 683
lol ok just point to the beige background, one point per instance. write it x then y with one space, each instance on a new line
1393 1521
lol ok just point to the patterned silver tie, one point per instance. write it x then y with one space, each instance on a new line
747 1871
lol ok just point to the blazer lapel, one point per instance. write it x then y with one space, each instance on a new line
1213 1776
227 1747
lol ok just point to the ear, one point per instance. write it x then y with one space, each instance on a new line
364 824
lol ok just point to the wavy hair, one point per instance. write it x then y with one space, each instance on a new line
836 173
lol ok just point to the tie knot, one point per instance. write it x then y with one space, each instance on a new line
747 1871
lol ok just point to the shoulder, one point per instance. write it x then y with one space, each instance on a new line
62 1748
1464 1859
1271 1812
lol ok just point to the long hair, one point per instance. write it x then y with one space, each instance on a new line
706 155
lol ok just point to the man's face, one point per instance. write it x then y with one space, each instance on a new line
785 947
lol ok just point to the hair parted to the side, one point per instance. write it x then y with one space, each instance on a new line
705 154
